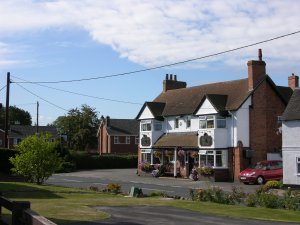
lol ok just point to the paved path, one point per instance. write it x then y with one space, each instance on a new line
148 215
128 178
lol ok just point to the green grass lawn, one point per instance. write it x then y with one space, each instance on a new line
65 205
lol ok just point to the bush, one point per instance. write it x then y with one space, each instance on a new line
290 200
272 184
146 167
205 171
159 194
85 161
236 196
268 200
5 164
250 200
113 188
214 194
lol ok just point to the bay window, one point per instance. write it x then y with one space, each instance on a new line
210 121
157 126
146 126
213 158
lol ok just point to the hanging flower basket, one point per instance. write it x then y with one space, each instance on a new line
180 153
194 154
157 154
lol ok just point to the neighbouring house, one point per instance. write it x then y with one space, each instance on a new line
291 139
118 136
18 132
226 125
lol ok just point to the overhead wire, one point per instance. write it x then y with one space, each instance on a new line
80 94
45 100
2 88
167 65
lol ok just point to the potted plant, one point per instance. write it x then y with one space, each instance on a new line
157 154
194 154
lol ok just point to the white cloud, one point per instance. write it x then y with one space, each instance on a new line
157 32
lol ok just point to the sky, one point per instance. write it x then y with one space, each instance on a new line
58 40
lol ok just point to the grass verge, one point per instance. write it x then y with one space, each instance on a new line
66 205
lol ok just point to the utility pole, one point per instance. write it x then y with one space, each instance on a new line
37 116
6 139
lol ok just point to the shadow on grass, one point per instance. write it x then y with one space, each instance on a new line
104 222
23 191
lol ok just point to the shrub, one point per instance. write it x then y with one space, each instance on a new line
272 184
94 188
5 164
158 193
85 161
36 159
205 171
214 194
290 200
268 200
146 166
113 188
250 200
237 195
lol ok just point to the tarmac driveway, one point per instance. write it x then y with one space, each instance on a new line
144 215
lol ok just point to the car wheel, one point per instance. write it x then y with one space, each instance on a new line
260 180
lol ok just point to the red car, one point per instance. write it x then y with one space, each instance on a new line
262 172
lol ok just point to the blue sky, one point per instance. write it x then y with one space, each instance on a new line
65 40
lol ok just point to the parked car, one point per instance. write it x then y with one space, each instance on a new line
262 172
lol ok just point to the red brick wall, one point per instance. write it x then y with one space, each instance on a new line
123 148
267 106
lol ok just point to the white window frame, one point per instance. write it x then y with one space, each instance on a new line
127 140
116 140
146 154
157 126
220 118
145 124
176 123
224 156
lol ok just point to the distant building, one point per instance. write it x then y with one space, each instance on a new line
291 139
118 136
225 125
18 132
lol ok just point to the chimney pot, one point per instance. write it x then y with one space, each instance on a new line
171 77
107 121
259 54
167 76
175 77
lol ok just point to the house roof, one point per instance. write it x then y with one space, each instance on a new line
224 96
156 109
20 131
182 139
292 111
123 127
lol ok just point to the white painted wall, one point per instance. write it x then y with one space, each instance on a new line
170 124
219 138
290 151
242 127
206 108
154 135
146 114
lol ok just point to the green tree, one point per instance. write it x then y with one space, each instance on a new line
16 116
37 159
80 126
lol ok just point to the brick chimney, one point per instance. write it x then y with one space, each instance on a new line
171 84
293 81
256 71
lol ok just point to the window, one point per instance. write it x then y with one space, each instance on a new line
146 155
127 140
137 140
176 125
116 140
213 158
146 126
206 122
298 165
157 126
188 122
221 121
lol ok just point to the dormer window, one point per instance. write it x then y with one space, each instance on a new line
206 122
146 126
157 126
221 121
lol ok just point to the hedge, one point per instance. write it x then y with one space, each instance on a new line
5 165
84 161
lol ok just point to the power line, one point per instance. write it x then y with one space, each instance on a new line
2 88
80 94
42 98
168 65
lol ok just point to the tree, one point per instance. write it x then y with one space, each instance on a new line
37 159
16 116
80 126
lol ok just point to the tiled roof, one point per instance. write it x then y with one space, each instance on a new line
292 111
229 95
182 139
123 127
19 131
